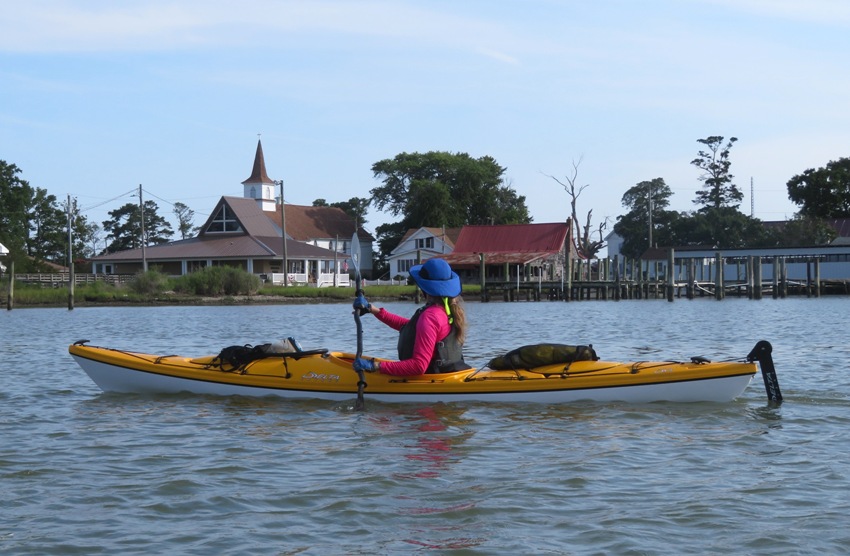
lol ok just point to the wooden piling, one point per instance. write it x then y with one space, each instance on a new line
483 278
692 278
718 276
617 283
71 280
750 281
671 278
775 292
10 296
817 277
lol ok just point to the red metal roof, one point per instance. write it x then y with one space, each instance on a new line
521 238
509 243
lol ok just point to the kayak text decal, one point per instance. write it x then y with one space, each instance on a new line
314 377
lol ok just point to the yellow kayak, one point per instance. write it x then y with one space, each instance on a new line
328 375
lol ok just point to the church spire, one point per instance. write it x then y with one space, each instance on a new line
260 186
258 174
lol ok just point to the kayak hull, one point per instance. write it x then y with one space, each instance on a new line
329 376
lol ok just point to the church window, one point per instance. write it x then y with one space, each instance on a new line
224 221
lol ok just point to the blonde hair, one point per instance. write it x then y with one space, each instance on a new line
458 314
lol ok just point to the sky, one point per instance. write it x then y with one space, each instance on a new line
98 97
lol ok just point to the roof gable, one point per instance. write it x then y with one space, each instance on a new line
448 235
247 213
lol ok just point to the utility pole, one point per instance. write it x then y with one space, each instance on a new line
71 276
650 215
142 214
283 233
752 200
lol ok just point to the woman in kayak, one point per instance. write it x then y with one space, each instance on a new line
431 340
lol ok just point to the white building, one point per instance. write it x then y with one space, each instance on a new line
3 252
421 244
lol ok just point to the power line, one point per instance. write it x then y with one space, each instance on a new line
100 204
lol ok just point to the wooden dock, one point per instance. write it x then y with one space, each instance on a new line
691 278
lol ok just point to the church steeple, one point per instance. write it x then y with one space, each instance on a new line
260 186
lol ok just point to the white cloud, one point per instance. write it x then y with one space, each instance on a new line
153 25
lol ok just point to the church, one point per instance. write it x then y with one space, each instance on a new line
257 232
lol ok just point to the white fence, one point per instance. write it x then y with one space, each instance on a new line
326 280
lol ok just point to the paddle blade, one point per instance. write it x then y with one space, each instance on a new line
355 252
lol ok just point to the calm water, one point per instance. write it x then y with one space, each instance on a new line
83 472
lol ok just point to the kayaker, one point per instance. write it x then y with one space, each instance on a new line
431 340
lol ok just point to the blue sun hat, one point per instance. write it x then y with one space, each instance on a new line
436 278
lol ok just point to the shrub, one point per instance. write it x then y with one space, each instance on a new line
151 282
217 281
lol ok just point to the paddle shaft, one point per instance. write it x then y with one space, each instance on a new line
360 404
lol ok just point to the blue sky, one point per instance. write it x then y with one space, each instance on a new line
97 97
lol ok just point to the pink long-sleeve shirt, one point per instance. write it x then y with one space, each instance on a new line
432 326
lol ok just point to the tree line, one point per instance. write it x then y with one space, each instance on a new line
718 223
436 189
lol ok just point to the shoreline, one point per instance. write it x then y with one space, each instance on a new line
203 301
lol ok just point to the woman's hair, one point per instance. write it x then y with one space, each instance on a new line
458 314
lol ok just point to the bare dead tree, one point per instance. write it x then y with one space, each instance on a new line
585 245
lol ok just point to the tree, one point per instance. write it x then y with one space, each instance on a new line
823 193
719 190
356 207
801 231
443 189
48 228
124 230
718 228
15 195
645 199
585 244
185 219
33 225
83 234
94 240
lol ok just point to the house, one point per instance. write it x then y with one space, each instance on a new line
3 252
614 243
420 244
247 232
513 251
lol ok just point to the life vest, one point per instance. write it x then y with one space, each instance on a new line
448 353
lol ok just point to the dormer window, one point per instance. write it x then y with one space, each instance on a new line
224 221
